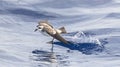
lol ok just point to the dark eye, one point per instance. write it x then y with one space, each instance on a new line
39 27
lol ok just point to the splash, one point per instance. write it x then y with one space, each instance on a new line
83 43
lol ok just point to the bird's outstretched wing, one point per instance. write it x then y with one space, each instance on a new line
60 38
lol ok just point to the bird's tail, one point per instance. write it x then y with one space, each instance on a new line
62 29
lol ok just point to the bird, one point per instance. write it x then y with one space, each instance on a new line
44 26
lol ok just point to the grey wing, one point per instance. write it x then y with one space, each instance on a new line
60 38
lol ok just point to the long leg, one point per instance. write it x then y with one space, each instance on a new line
52 45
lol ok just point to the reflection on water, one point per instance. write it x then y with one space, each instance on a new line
48 59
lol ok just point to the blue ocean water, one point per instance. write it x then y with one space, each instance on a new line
93 28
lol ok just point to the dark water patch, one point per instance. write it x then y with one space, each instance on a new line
28 15
85 48
31 13
113 15
73 3
2 12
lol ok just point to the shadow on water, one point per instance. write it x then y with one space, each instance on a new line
43 58
51 59
82 43
85 48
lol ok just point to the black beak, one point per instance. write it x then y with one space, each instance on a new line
35 30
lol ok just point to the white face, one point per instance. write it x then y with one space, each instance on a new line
40 28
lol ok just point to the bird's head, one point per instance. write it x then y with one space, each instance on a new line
39 27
